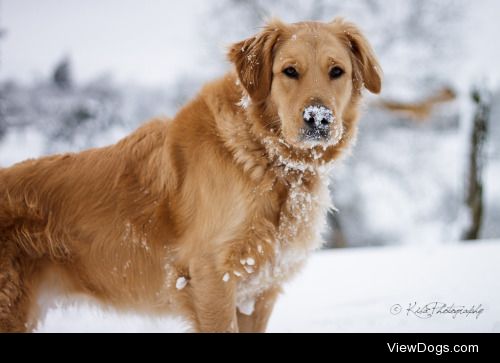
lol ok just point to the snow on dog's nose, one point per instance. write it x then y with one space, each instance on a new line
321 125
318 116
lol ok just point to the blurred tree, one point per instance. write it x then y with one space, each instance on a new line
62 76
477 160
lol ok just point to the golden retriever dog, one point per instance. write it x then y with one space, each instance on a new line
207 214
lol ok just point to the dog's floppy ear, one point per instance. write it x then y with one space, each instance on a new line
253 59
366 69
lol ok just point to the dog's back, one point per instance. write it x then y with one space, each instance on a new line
36 193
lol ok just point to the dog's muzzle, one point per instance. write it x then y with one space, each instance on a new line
317 119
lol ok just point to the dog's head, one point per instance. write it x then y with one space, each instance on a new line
305 78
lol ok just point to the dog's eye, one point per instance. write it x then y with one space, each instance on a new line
336 72
291 72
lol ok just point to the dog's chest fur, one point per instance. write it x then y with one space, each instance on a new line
301 218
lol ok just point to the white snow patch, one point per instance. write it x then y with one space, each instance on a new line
226 277
181 283
246 307
348 290
353 290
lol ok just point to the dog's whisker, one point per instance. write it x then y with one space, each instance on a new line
273 123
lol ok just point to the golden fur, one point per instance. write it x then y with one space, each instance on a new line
223 198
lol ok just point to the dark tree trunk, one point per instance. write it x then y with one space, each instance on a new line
477 160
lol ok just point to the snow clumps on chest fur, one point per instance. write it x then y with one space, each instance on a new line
302 220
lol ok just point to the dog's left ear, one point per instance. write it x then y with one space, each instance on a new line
366 68
253 59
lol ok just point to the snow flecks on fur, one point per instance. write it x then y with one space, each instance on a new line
337 132
127 232
317 155
144 243
226 277
289 165
302 209
131 235
297 235
273 149
250 261
245 102
181 283
298 232
170 272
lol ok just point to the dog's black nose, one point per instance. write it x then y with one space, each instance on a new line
317 119
318 116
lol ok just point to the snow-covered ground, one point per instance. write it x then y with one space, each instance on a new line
352 290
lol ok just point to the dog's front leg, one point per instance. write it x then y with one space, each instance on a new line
257 321
213 298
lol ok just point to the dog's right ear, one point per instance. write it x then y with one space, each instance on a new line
253 59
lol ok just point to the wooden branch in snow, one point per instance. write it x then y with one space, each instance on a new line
419 110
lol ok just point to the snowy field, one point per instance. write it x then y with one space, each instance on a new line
356 290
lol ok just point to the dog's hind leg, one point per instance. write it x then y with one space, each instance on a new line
15 288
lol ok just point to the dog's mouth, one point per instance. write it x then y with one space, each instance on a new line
326 137
307 136
314 136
